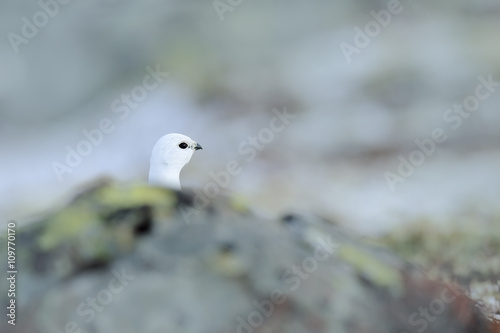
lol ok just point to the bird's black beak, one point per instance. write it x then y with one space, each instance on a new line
198 147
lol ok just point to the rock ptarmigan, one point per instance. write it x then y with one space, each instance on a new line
170 154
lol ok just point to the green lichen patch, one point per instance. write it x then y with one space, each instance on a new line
370 267
461 253
87 217
101 224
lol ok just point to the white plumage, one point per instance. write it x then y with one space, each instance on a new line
170 154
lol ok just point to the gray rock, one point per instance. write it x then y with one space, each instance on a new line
131 258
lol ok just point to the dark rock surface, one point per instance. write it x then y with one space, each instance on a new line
131 258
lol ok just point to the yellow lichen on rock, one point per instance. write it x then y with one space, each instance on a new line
370 267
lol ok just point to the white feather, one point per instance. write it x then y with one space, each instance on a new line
168 159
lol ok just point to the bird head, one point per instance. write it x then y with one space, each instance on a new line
170 154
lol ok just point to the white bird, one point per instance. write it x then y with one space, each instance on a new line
170 154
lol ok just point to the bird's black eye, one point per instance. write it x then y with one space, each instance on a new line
183 145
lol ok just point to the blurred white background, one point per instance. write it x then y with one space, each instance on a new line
354 116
